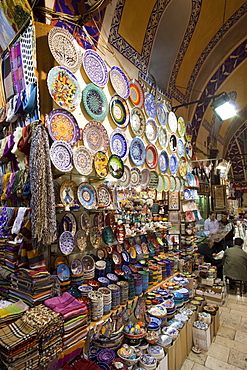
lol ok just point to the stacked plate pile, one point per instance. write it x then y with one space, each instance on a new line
178 299
97 305
145 277
170 307
88 268
85 290
148 362
77 279
181 317
100 267
124 290
186 294
113 278
115 295
106 299
138 284
104 281
130 279
156 351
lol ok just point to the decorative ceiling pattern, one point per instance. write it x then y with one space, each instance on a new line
235 154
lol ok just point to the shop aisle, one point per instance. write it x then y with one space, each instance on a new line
228 351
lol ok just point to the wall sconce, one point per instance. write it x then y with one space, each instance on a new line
224 108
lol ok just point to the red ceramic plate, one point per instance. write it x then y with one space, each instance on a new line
151 156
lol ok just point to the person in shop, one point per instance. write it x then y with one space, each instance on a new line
224 223
211 226
206 250
235 263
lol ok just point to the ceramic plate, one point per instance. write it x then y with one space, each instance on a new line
166 183
137 151
180 148
151 130
190 179
64 88
95 237
63 272
150 105
63 126
83 160
65 48
172 122
154 180
125 179
173 163
162 137
182 166
119 111
69 223
95 137
104 196
108 235
116 166
68 193
60 259
81 239
120 82
178 184
95 102
66 242
172 183
136 93
173 143
120 236
188 132
61 156
101 164
135 177
162 114
161 184
137 121
188 150
76 267
163 162
187 194
181 126
87 195
151 156
95 68
119 144
145 178
85 222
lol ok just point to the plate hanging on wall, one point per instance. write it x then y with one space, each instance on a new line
119 82
161 184
63 126
69 223
64 88
76 267
173 143
162 114
95 137
95 68
137 151
151 156
137 121
181 126
87 195
154 180
61 156
83 160
188 150
182 166
104 196
85 222
119 111
101 164
119 144
163 162
63 272
135 177
172 183
125 179
95 102
173 164
136 93
66 242
172 122
95 237
150 105
81 240
68 192
180 148
116 166
162 137
188 132
145 178
166 183
151 130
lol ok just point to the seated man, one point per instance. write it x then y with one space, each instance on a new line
205 249
235 262
224 223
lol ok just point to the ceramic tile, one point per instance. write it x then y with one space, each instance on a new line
218 351
188 364
215 364
237 358
223 331
232 344
199 367
241 337
199 359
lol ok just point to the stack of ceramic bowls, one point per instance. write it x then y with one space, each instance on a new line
124 291
88 268
100 267
156 351
76 280
176 324
104 282
145 276
205 317
200 325
97 305
170 307
148 362
172 332
138 283
154 324
186 311
181 317
112 278
92 354
115 295
130 279
129 354
165 341
186 294
85 290
106 356
106 299
178 299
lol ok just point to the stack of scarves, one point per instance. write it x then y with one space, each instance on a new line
75 317
5 281
49 326
18 347
11 255
32 286
10 312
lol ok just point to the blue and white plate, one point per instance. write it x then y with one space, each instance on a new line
61 155
190 179
162 114
63 272
137 151
162 137
150 105
83 160
173 164
135 177
95 68
188 150
187 194
151 130
120 82
66 242
87 195
180 148
163 162
119 144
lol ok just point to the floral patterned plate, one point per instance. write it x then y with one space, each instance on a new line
151 130
95 237
162 114
180 148
136 93
162 137
120 82
95 68
87 195
68 193
163 162
104 196
161 183
119 111
173 164
76 267
101 164
119 144
135 177
85 222
69 223
151 156
166 182
83 160
188 150
137 151
182 166
172 183
154 180
95 102
137 121
150 105
125 179
61 156
95 137
81 239
66 242
63 126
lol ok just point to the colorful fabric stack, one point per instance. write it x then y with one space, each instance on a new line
31 286
5 280
18 346
49 326
10 312
2 250
75 317
11 255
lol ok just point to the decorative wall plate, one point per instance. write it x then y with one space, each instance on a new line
161 184
83 160
151 130
162 114
120 82
81 239
119 111
101 164
68 192
95 237
104 196
95 102
190 179
116 166
154 179
172 122
61 156
65 48
87 195
63 272
178 184
151 156
173 143
69 223
188 132
119 144
76 267
95 68
182 166
137 121
180 148
120 235
150 105
187 194
95 137
137 151
64 88
125 179
166 183
63 126
172 183
188 150
60 259
66 242
135 177
162 137
85 222
136 93
163 162
173 164
181 126
145 178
